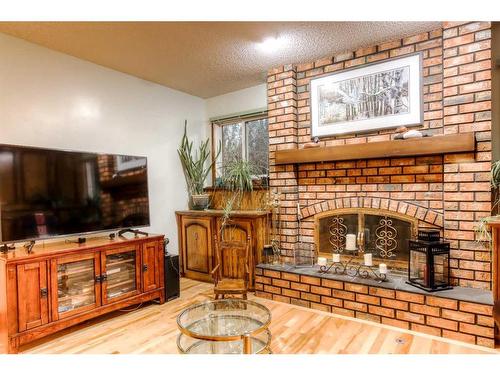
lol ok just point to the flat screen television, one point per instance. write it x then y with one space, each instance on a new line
46 193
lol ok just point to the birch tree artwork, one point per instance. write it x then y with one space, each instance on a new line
370 96
367 98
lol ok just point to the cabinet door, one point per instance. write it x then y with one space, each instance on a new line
197 251
151 253
121 273
75 285
33 307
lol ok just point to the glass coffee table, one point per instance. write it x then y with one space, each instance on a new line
226 326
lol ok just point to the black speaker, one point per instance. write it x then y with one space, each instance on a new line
172 282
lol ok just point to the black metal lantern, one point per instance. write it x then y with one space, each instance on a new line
268 254
429 261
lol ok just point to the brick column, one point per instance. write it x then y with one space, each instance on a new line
283 134
467 108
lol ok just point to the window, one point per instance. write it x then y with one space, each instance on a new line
243 139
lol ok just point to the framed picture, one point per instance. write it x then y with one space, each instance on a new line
376 96
127 163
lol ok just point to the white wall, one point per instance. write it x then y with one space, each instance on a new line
249 99
49 99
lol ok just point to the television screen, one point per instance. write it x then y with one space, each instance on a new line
46 193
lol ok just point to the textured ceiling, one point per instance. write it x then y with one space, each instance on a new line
206 58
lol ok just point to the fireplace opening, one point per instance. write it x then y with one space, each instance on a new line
383 233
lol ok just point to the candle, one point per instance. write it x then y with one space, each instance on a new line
350 242
368 260
336 258
382 268
321 261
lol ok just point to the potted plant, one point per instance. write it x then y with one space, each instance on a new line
236 180
483 226
196 167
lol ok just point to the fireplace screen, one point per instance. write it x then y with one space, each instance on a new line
383 234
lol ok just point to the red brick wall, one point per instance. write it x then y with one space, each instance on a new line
454 187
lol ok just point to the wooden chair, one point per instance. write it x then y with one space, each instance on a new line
232 268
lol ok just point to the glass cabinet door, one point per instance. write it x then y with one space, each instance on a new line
74 285
121 274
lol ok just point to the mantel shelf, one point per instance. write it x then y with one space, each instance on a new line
409 147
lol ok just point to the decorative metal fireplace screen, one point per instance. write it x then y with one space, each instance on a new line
383 233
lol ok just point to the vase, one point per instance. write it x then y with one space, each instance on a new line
200 201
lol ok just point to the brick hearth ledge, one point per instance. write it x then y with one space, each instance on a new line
463 314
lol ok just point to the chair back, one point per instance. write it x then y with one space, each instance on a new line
233 258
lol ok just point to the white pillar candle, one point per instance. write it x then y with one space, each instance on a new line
368 260
350 242
382 268
321 261
336 258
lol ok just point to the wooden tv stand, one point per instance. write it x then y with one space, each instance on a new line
62 284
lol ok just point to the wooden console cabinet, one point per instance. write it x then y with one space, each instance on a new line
196 239
495 232
62 284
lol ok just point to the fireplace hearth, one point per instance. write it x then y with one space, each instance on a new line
462 313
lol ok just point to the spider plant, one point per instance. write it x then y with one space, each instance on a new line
495 182
237 177
482 227
195 164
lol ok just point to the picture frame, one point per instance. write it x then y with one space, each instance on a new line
372 97
127 163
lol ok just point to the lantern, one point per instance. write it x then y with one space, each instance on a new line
268 254
429 261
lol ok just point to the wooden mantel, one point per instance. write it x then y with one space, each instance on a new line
409 147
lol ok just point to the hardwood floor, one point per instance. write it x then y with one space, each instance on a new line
152 329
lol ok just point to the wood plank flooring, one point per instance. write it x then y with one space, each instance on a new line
153 329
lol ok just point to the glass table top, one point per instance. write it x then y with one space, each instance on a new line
224 319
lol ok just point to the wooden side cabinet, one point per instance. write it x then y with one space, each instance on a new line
196 230
60 284
495 231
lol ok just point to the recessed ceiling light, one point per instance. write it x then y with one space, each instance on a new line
272 44
86 108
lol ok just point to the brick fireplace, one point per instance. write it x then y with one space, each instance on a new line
449 191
